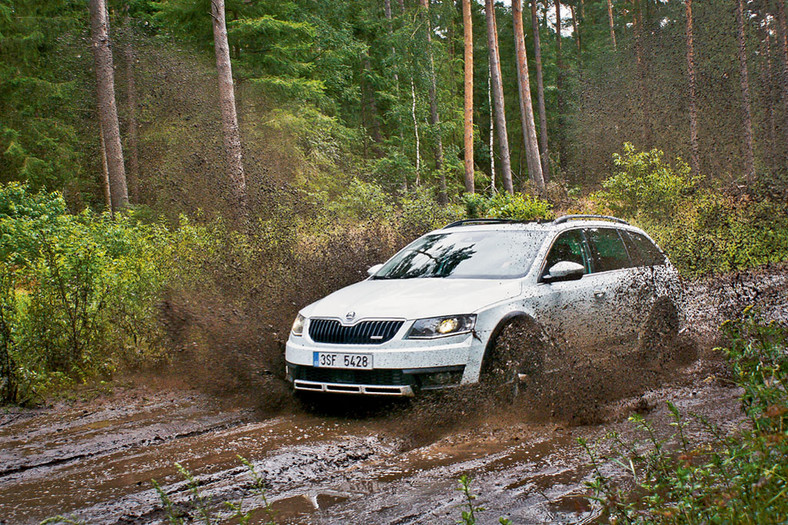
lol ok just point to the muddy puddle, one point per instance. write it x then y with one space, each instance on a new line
348 462
96 464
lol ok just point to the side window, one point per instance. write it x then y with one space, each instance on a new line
647 252
608 248
568 247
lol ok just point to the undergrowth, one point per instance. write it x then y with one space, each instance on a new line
717 477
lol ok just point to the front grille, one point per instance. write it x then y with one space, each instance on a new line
351 377
332 332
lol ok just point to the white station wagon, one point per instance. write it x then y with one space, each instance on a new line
432 316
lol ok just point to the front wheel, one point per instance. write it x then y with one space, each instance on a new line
515 356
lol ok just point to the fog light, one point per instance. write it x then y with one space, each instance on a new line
440 379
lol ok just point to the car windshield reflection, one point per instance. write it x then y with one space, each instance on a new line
465 255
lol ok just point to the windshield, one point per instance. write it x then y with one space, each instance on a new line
465 255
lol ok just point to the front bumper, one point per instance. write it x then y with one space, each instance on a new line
400 367
379 382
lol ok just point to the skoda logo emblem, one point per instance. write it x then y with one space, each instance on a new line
350 316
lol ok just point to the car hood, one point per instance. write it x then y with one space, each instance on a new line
413 298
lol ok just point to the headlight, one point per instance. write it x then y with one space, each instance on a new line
298 325
442 326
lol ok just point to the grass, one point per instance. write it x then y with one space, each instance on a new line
714 477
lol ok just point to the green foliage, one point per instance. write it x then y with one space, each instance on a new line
717 478
703 230
502 205
421 213
78 292
469 508
646 184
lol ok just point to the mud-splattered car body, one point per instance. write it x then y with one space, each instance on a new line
429 318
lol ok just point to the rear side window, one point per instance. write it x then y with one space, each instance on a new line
608 249
568 246
643 251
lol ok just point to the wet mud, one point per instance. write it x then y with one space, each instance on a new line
345 460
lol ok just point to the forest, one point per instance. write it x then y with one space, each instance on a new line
168 162
179 177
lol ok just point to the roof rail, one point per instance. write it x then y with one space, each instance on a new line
567 218
463 222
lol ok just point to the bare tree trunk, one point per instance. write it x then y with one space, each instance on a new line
782 33
131 102
645 108
610 21
767 83
416 132
107 108
232 134
492 130
497 92
526 106
467 21
540 95
559 82
435 119
744 80
693 105
105 173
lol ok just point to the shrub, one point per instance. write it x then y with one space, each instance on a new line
77 292
645 183
715 479
502 205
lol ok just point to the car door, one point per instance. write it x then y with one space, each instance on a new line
617 288
568 309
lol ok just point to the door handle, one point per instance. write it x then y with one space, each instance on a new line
599 294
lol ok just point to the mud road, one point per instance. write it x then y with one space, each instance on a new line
344 462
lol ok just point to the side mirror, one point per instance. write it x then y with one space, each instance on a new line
372 270
564 271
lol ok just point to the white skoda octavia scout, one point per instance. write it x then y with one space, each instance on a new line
434 315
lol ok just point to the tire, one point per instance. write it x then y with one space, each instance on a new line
515 356
659 337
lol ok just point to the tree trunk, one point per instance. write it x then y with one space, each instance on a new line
744 80
232 134
107 108
610 21
435 119
105 173
559 84
693 105
767 86
782 33
131 102
540 95
637 24
416 132
492 130
497 93
468 118
526 106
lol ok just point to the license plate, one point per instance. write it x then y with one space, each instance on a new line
341 360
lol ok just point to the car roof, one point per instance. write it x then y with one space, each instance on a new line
565 222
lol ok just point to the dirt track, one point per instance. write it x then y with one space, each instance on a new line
391 463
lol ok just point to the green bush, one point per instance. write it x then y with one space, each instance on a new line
645 184
502 205
690 477
78 292
703 230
